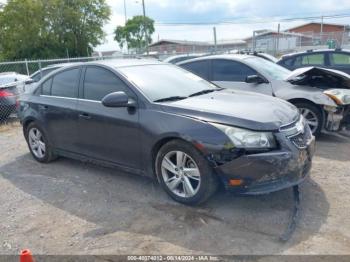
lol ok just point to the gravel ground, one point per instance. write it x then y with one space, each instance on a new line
69 207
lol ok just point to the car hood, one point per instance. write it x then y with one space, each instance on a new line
307 75
242 109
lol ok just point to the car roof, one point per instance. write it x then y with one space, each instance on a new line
224 56
118 63
315 52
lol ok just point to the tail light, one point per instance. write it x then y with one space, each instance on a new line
4 93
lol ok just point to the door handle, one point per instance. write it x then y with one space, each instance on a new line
85 116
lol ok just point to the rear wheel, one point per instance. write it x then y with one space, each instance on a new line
184 173
312 115
38 144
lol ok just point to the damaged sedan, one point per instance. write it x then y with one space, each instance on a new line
158 120
321 95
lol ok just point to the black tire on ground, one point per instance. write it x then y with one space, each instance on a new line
317 112
209 180
49 154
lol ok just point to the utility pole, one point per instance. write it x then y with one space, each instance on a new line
126 19
278 38
321 34
144 23
215 41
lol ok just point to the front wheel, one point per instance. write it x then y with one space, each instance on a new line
184 173
313 117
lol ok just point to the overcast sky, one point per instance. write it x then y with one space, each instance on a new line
243 12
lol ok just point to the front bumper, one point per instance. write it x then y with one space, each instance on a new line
271 171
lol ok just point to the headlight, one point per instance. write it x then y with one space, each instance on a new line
243 138
339 96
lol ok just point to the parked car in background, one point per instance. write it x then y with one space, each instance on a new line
338 59
13 78
258 54
10 82
158 120
306 89
36 76
178 58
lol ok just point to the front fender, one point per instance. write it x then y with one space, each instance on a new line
312 94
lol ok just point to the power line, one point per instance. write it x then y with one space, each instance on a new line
246 20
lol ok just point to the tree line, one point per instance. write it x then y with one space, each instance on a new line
38 29
51 28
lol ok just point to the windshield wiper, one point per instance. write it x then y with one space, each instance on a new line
205 91
170 98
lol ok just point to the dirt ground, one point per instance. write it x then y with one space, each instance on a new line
69 207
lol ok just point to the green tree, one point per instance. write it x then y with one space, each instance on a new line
51 28
137 32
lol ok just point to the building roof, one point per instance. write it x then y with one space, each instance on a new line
317 23
180 42
272 32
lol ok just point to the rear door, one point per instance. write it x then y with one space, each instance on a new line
58 105
339 61
232 74
109 134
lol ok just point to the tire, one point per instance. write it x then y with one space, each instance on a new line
47 155
199 174
311 112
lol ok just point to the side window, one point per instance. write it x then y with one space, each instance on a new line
200 68
65 83
100 82
339 59
289 61
311 59
226 70
46 87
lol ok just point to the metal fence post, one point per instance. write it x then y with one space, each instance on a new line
41 73
27 67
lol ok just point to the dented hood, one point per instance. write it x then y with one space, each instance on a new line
306 75
247 110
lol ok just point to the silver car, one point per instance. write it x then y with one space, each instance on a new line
322 95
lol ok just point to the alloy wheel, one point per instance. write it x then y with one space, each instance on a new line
311 118
180 174
36 142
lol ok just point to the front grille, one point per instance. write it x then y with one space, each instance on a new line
301 140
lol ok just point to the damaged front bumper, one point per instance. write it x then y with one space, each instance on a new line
270 171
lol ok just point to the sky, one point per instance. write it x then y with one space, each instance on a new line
246 16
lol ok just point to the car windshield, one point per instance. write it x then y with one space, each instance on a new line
268 69
159 82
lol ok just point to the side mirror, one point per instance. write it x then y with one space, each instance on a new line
117 99
256 79
29 81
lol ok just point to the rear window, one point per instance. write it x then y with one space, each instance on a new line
339 59
46 87
311 59
65 83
